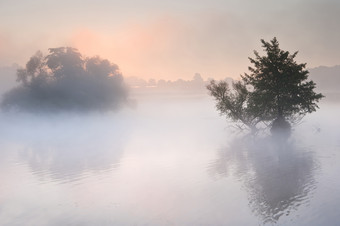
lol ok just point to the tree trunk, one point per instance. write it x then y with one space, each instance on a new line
281 128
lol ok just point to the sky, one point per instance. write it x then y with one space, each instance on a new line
171 39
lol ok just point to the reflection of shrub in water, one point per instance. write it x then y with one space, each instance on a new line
66 162
277 176
66 148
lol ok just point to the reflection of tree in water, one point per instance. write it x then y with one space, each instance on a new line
277 176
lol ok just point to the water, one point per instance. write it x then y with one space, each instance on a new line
170 161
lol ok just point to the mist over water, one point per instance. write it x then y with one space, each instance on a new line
171 160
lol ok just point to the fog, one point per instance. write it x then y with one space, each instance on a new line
170 160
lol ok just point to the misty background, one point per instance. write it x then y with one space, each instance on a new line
161 154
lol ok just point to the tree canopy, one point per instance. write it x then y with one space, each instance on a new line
66 80
276 89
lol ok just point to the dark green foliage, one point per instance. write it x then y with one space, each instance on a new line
278 89
280 86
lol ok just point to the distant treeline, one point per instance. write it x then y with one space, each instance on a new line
327 79
197 83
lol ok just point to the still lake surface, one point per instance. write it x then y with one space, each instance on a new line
171 160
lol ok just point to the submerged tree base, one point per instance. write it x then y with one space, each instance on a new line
281 128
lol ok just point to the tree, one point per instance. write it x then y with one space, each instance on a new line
233 102
278 90
65 80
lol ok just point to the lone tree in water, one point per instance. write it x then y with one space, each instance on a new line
276 90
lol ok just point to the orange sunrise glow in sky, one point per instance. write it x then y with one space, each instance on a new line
171 39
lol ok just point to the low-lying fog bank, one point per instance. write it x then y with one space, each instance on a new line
171 159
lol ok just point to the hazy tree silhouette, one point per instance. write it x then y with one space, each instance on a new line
66 80
234 103
276 90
